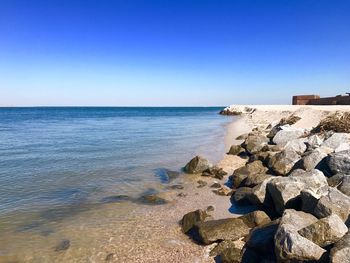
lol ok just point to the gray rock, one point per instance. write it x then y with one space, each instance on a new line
285 191
290 246
341 250
197 165
255 142
215 172
241 174
315 159
325 231
339 162
333 202
192 218
335 140
236 150
344 186
226 244
309 198
296 145
287 133
283 162
201 183
229 228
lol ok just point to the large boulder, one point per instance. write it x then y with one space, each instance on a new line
197 165
285 191
255 143
344 186
339 162
288 133
229 228
315 159
250 169
192 218
341 250
283 162
290 246
313 141
333 202
255 179
336 140
325 231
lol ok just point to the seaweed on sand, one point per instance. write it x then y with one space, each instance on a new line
337 122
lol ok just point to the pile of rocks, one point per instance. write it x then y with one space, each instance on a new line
299 182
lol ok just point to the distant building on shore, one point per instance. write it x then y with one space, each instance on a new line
316 100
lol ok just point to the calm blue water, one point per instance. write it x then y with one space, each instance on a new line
60 156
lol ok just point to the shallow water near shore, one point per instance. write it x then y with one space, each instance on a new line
75 173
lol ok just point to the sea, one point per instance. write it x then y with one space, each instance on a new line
56 162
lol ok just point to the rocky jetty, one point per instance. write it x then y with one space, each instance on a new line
297 179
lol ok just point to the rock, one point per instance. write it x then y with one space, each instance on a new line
62 245
237 110
242 136
325 231
333 202
236 150
152 199
342 147
344 187
259 194
315 159
339 162
341 250
210 208
215 172
261 238
171 175
283 162
201 183
285 191
335 140
296 145
255 142
314 141
229 228
226 244
290 246
288 133
110 257
255 179
181 195
224 191
309 198
240 174
335 180
264 157
115 199
231 255
242 194
175 187
192 218
197 165
215 185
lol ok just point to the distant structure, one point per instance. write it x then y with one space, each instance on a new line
316 100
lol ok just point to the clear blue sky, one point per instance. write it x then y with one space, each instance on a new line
179 52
